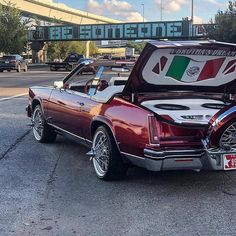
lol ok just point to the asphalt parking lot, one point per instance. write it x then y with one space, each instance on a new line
51 189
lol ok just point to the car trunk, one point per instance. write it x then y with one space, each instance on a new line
184 85
181 119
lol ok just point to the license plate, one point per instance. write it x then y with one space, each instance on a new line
7 62
229 161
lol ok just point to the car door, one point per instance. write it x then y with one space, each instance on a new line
64 110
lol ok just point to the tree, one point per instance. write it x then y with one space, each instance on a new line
59 50
225 24
137 46
93 48
13 29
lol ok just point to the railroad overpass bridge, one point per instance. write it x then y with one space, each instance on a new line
58 11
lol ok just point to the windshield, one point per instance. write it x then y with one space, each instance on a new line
77 80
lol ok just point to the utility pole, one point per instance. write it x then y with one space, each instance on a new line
143 11
192 15
161 9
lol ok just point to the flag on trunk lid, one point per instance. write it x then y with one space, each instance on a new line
188 70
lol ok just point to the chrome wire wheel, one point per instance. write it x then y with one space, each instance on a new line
228 138
38 123
101 153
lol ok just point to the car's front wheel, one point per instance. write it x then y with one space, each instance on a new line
107 161
42 132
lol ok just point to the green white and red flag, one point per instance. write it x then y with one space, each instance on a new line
187 70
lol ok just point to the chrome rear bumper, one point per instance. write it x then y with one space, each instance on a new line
158 155
198 159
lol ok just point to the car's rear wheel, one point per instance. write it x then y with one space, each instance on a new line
42 132
107 161
1 70
9 70
18 68
52 68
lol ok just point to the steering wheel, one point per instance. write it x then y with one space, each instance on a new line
102 84
87 86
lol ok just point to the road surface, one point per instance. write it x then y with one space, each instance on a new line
51 189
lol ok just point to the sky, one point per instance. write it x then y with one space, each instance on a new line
132 10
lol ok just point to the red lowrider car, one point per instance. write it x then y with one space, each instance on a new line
176 111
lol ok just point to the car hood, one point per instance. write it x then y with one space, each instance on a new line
204 66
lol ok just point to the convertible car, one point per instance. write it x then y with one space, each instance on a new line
175 111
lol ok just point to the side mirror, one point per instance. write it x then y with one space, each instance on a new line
58 84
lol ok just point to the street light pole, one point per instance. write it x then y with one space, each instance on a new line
192 16
143 11
161 10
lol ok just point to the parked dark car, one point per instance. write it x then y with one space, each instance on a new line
13 62
176 111
70 62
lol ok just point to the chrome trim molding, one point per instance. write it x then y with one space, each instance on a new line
160 155
131 155
65 131
223 115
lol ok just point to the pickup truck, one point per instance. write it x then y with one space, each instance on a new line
68 64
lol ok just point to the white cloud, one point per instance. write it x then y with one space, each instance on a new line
171 5
197 20
122 9
134 17
93 4
111 5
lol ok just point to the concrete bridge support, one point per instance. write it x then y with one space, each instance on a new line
39 52
87 53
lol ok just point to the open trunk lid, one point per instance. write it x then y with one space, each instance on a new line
205 66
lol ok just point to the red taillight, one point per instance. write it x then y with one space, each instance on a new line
153 130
